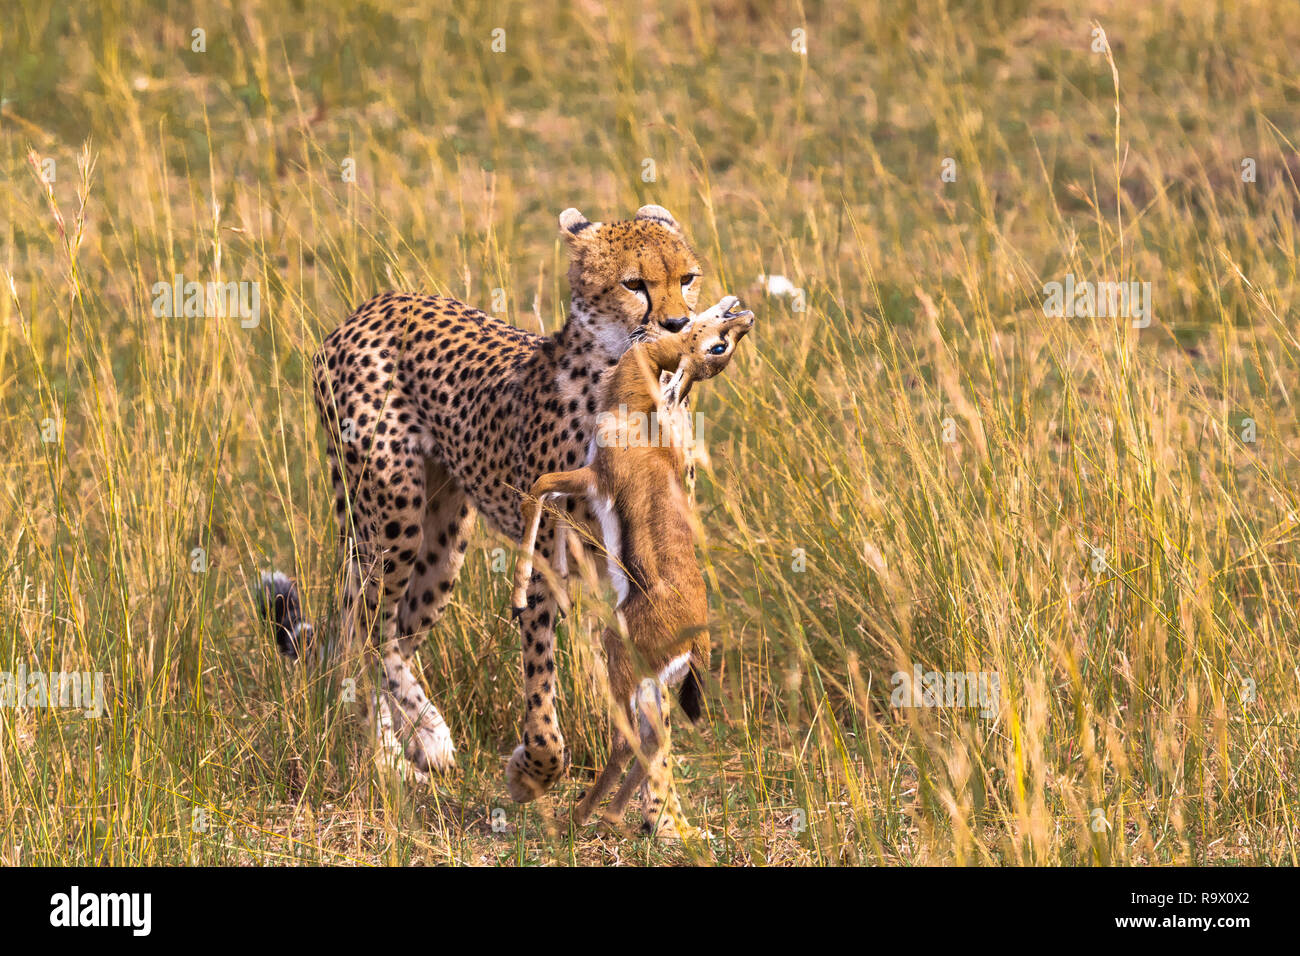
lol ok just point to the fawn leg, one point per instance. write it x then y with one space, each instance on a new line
555 483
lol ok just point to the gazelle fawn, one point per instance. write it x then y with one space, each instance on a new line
634 486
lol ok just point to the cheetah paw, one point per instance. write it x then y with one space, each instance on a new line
430 749
395 766
523 784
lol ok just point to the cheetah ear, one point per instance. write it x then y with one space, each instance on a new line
660 215
573 223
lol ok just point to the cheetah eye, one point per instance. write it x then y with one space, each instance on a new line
688 280
634 285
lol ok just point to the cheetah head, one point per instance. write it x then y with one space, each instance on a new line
631 281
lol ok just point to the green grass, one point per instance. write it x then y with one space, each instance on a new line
1148 711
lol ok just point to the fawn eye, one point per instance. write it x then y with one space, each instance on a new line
718 349
634 285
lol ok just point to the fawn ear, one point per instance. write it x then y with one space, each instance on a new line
679 384
660 215
574 225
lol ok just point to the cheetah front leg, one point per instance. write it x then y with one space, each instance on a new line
659 803
540 758
410 733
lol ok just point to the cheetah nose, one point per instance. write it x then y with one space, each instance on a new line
675 325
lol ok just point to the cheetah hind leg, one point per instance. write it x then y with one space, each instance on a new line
377 709
446 524
390 753
388 550
404 722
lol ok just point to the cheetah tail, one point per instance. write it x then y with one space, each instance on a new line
279 606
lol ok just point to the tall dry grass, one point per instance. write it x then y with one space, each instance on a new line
911 465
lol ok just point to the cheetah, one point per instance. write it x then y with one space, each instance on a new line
635 483
436 412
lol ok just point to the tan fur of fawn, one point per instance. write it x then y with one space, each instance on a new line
635 488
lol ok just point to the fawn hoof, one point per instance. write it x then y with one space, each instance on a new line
613 825
517 612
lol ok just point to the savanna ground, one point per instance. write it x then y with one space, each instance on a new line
910 462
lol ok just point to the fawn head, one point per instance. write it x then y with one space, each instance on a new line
709 345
